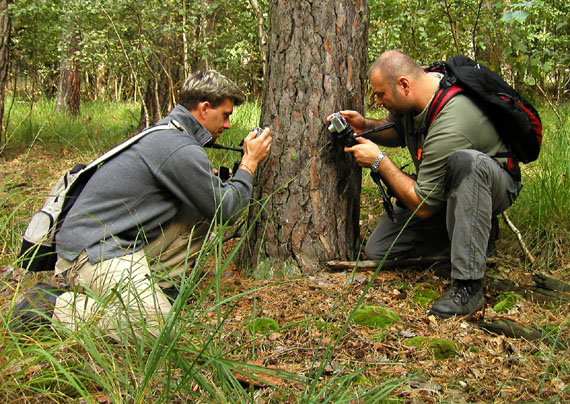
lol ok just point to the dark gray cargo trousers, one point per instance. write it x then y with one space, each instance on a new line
477 189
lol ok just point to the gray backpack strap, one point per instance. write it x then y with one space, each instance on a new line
38 251
117 149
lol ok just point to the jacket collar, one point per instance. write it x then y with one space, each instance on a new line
189 124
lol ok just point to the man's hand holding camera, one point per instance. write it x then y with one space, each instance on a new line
354 119
256 147
343 125
365 152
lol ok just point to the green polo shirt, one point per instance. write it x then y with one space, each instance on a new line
459 125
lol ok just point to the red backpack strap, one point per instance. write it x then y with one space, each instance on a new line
445 92
442 96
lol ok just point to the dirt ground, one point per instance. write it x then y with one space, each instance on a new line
486 367
311 312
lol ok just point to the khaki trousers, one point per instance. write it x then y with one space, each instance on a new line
123 295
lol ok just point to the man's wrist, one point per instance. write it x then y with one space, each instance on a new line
247 168
248 164
376 163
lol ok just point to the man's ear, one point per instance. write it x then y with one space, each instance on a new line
203 108
404 83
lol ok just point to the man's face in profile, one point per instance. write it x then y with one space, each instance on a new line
216 120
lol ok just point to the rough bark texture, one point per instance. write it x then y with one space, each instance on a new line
317 65
4 60
69 88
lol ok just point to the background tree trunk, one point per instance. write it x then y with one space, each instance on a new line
5 28
317 65
69 88
165 72
261 34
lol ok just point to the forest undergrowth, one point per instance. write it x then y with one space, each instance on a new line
245 338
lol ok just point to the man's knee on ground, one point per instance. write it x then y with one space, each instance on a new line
372 251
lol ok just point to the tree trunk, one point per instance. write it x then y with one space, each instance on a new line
204 36
317 65
452 26
5 28
69 88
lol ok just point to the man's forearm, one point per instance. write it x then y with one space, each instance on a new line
371 123
387 137
403 186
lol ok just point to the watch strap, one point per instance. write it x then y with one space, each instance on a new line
376 163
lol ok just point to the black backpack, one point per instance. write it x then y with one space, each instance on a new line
514 118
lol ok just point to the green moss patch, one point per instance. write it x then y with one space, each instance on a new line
507 301
262 326
443 348
424 294
375 317
415 341
380 336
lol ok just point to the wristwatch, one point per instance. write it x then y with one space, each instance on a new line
374 166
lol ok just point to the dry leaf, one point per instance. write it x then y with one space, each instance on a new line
257 377
100 397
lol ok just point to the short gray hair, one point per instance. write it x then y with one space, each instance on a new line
209 86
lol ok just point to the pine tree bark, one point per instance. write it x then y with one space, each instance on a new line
317 65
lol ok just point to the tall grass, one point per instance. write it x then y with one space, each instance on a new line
99 126
193 359
541 210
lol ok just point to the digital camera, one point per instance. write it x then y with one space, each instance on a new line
341 131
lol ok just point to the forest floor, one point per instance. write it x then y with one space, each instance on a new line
486 367
311 313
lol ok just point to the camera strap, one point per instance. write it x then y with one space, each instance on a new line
386 202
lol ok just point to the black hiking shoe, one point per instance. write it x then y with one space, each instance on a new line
171 293
35 309
463 298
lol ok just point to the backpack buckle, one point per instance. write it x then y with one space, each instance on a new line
450 80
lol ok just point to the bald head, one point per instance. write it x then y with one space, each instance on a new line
394 64
399 84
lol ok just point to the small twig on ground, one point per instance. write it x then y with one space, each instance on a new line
520 239
398 263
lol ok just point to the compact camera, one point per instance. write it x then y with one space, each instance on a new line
341 131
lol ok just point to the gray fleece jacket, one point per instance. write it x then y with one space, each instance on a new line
132 197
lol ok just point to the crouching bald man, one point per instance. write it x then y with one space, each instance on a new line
143 215
459 188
